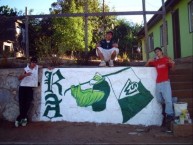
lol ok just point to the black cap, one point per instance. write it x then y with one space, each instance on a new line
109 32
158 48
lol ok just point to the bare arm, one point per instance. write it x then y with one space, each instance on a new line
24 75
172 64
98 45
147 63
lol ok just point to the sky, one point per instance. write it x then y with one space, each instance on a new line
42 6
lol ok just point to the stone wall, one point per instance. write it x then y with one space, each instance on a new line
9 103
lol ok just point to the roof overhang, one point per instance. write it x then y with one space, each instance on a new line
169 4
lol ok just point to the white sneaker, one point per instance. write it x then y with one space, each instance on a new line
17 123
103 63
111 64
24 122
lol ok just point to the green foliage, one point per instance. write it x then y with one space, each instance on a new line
67 34
125 33
7 11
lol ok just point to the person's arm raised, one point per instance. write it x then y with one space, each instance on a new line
150 60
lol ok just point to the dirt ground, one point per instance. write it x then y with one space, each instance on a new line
86 133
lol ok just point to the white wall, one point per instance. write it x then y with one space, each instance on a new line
69 109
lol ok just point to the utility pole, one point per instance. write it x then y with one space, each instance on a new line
103 18
164 27
146 31
86 26
26 35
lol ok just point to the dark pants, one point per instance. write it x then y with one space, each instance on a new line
25 99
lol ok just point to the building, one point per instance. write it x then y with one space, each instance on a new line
179 30
12 38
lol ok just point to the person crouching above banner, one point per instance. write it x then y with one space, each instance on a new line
107 50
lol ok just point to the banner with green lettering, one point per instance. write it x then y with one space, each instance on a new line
101 95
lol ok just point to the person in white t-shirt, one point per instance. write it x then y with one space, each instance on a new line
29 80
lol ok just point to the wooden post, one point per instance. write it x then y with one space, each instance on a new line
164 27
103 19
86 26
146 31
26 34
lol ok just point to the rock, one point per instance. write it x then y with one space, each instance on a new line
11 111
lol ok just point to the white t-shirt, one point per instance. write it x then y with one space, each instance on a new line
32 80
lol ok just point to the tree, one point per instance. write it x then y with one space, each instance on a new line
62 35
7 11
125 33
68 32
102 24
40 33
74 27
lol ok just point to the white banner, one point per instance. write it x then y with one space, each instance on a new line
101 95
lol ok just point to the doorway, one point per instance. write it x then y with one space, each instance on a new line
176 34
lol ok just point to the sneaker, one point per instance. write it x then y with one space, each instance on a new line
17 123
24 122
111 64
103 63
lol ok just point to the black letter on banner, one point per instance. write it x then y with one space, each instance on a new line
50 83
55 105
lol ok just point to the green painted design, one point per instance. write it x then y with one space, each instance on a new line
102 76
104 87
133 97
52 101
53 105
86 97
131 105
50 83
98 78
117 72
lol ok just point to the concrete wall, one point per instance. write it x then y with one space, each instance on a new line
49 104
9 84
